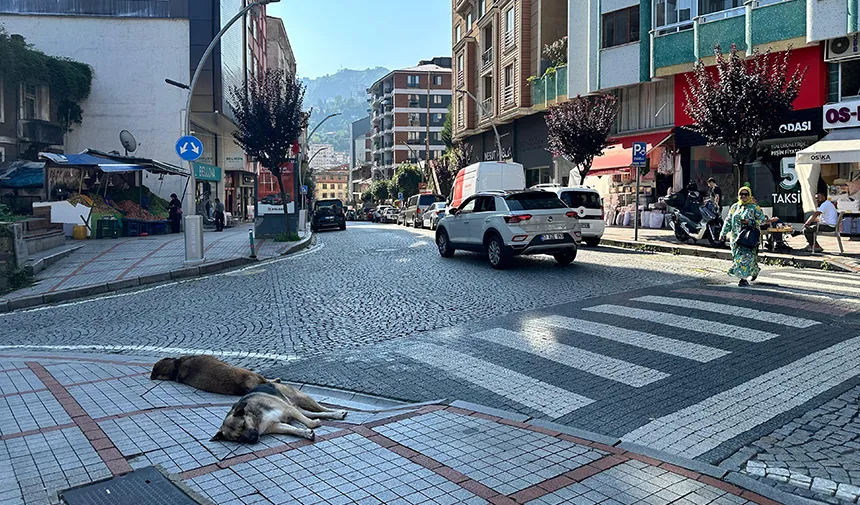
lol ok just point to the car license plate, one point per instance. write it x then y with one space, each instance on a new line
585 225
329 218
552 236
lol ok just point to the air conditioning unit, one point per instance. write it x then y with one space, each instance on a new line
843 48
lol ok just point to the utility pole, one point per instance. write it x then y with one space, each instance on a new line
427 137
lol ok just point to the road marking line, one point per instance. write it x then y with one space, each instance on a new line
814 274
680 348
821 278
810 286
732 310
697 429
827 307
687 323
152 348
536 394
543 345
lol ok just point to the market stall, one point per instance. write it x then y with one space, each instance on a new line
105 194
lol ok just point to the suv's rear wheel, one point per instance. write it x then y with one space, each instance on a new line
444 244
497 254
591 241
566 257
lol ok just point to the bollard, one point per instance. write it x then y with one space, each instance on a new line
251 238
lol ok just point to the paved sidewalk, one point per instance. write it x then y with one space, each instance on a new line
71 419
665 238
131 261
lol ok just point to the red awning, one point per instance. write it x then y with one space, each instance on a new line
618 157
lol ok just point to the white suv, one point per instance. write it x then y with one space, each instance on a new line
506 224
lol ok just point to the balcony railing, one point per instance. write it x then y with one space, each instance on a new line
414 103
461 118
487 108
487 59
461 78
550 89
509 39
415 142
413 85
42 132
509 95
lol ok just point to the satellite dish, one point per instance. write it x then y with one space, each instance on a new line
128 141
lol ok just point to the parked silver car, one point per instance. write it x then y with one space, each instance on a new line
507 224
433 214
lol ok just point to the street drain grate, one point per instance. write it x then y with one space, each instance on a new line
147 485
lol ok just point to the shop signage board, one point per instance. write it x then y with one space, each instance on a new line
189 147
842 115
247 181
204 172
640 154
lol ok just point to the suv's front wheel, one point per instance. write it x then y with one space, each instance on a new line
497 253
446 250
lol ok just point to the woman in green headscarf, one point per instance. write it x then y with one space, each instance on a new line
743 212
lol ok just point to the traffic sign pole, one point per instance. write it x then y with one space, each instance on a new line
640 154
636 213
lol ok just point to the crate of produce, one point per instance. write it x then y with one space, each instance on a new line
107 227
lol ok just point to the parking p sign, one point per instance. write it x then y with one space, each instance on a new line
640 152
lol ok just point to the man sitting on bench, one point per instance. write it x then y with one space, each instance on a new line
822 220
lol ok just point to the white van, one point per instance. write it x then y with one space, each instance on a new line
587 202
487 176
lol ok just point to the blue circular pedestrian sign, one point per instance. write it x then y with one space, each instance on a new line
189 147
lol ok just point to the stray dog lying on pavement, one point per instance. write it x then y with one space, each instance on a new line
268 409
209 374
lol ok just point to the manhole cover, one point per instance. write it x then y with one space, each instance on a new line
147 485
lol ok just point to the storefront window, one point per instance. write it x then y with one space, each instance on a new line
713 162
849 79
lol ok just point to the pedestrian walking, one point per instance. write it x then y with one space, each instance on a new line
743 224
219 215
174 212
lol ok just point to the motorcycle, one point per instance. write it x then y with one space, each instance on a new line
694 219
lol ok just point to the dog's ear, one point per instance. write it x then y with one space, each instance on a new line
218 436
239 409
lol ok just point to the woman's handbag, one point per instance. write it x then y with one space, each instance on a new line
749 237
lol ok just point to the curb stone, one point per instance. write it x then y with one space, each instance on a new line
768 491
576 432
811 262
513 416
689 464
74 293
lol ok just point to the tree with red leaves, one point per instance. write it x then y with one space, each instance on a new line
579 129
742 102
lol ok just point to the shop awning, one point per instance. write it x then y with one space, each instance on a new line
838 146
111 163
618 157
22 174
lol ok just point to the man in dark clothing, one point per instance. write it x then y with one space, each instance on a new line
219 215
714 192
174 212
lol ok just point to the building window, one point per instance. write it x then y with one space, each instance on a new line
437 80
414 119
669 13
645 106
482 8
437 99
457 33
509 27
712 6
469 21
621 27
438 118
413 136
413 81
849 79
31 101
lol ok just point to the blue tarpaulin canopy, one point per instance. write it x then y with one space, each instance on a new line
110 163
22 174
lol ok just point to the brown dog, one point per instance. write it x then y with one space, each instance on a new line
209 374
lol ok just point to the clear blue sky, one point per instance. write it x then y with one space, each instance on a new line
327 35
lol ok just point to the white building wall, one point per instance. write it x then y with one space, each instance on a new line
619 66
614 5
826 19
583 46
130 57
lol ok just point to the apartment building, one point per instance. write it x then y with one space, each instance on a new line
324 156
279 52
408 109
333 183
360 158
497 45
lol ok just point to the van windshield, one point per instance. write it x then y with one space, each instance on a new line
534 201
577 199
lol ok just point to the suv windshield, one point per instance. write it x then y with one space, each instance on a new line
576 199
534 201
335 206
428 199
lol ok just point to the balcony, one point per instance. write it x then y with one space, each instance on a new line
509 39
415 142
461 78
550 89
486 108
487 60
414 104
40 132
508 96
462 6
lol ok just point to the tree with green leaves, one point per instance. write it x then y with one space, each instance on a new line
406 179
367 196
379 190
446 167
269 119
578 130
447 133
742 102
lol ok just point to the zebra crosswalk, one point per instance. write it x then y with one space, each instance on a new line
573 362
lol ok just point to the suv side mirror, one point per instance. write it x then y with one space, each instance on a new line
452 211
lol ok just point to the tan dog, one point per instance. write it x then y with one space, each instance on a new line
269 409
207 373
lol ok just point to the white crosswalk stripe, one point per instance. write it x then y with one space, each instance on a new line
674 347
699 428
543 345
730 310
686 323
823 278
547 398
811 285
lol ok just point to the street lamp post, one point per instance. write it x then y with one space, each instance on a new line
492 121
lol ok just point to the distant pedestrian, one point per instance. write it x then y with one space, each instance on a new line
714 192
219 215
174 212
823 219
745 213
